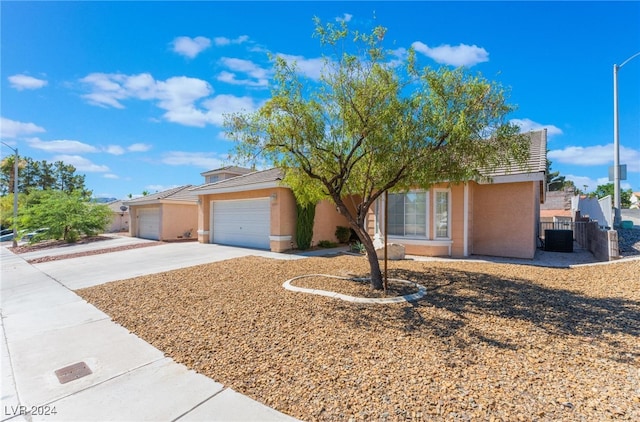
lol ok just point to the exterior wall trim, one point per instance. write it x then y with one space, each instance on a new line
285 238
420 242
465 221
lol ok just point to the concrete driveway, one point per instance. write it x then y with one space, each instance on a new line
87 271
48 332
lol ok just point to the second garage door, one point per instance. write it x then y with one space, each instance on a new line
242 223
149 223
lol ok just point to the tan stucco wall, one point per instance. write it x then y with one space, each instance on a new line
177 219
283 216
119 222
505 219
325 222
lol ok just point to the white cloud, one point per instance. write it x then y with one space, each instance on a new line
110 176
457 55
227 104
258 76
582 181
107 89
14 129
114 149
138 147
344 18
81 163
311 68
190 47
198 159
63 146
527 125
185 100
596 155
178 95
21 82
222 41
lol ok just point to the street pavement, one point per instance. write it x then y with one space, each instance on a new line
47 327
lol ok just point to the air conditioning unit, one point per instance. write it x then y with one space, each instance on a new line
558 240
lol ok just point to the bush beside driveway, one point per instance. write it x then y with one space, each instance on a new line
489 340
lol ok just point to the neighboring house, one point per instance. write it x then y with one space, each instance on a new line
255 210
498 218
119 217
168 215
635 201
172 214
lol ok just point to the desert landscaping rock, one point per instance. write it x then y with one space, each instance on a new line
488 341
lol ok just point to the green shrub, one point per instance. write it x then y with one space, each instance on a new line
327 244
304 225
343 234
358 247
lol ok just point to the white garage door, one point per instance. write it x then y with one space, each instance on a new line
149 223
242 223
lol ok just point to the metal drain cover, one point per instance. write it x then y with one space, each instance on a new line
73 372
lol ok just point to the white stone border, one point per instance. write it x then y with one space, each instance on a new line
422 291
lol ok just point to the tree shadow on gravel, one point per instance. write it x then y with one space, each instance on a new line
465 294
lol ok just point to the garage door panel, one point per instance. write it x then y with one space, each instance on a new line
149 223
242 223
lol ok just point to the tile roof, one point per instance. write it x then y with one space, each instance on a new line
254 178
228 169
537 161
180 193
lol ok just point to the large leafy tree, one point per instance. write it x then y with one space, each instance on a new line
375 122
65 215
609 190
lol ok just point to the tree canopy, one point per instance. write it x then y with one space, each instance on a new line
375 122
609 190
65 215
40 175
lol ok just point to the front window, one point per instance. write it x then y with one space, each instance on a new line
442 214
408 214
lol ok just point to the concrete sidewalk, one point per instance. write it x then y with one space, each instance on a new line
47 327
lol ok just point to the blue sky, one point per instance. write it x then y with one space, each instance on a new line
133 93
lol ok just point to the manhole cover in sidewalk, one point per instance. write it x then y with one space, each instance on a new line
72 372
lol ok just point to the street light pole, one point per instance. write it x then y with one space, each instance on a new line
616 142
15 195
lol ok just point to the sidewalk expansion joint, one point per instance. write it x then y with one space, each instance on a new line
201 403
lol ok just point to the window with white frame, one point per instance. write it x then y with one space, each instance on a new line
409 214
441 213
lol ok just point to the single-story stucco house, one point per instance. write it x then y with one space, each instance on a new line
173 213
167 215
497 218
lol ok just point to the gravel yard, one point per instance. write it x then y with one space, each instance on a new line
489 341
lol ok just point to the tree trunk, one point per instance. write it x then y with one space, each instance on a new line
374 265
358 225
